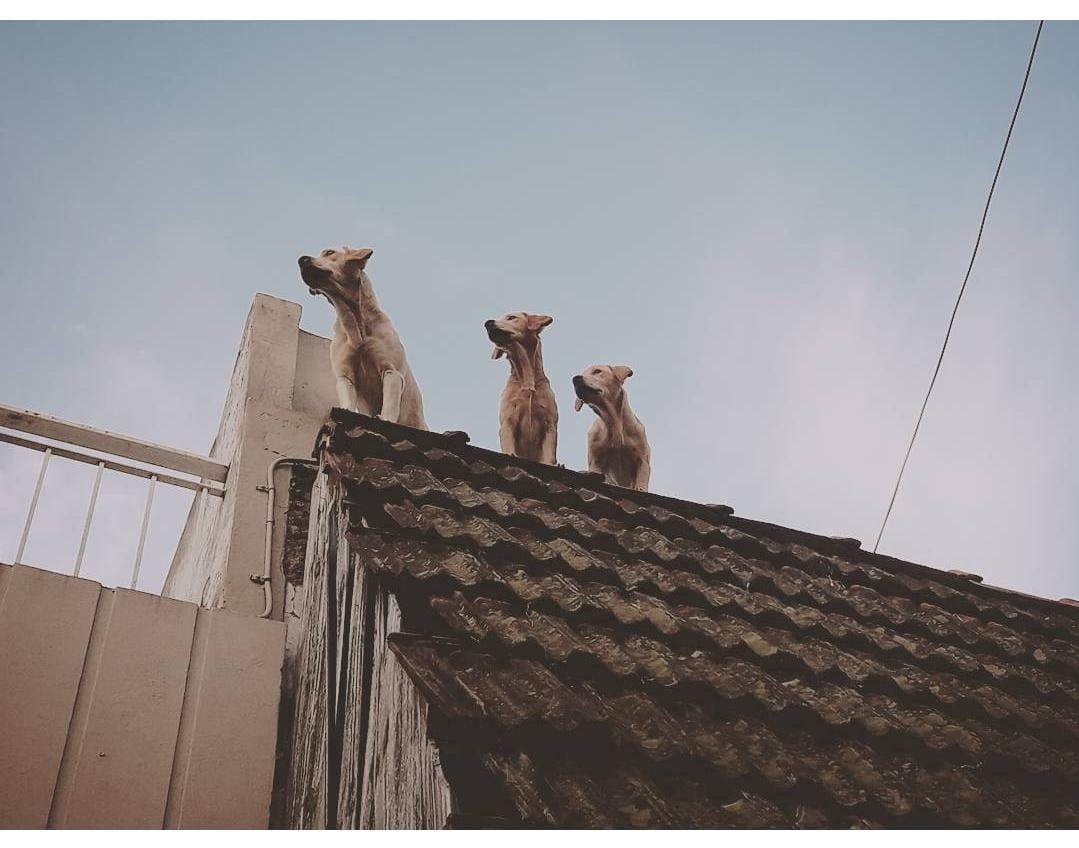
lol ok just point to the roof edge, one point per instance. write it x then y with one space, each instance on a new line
457 441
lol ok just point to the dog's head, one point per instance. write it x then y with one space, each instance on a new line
336 270
520 327
600 385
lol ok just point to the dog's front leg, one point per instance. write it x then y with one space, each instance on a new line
393 387
644 472
506 438
549 448
348 397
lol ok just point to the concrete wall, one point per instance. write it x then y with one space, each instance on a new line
122 709
281 390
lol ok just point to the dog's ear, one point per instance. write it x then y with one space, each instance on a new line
361 256
538 322
622 372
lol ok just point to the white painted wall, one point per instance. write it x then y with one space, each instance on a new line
120 709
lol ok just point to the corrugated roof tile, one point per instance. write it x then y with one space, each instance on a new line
642 661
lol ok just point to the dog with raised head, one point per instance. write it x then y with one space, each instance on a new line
373 375
617 443
527 414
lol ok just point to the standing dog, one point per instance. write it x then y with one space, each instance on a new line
368 358
528 414
617 444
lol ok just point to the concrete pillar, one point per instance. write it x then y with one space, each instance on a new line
281 390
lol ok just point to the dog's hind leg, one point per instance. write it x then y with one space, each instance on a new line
393 386
349 398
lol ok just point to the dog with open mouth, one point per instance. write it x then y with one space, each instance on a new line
368 358
617 443
527 413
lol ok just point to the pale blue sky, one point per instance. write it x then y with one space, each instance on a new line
768 222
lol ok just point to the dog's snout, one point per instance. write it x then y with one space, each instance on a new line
578 380
305 260
489 323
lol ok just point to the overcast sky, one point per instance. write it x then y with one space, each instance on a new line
768 222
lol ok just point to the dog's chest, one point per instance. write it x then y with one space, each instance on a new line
365 366
527 409
618 462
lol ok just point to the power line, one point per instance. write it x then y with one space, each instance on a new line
962 288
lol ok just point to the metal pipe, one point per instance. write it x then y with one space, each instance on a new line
33 506
264 578
89 517
142 533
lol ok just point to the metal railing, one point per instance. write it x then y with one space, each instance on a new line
203 475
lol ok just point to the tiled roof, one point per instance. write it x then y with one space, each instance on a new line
606 657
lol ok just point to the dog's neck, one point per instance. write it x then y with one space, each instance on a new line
617 417
526 363
356 313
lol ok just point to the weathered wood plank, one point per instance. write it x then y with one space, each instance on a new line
371 743
403 783
351 718
305 801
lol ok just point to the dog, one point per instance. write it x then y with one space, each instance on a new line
617 443
528 413
373 376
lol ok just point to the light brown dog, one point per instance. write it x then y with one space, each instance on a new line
528 414
617 443
368 358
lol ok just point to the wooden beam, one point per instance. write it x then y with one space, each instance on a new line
127 447
182 482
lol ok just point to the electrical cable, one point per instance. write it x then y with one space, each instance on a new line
963 288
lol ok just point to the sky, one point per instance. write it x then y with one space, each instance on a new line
768 222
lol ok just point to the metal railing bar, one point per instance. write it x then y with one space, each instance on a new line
64 453
89 517
33 506
142 532
47 427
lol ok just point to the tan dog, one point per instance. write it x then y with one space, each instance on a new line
617 444
368 358
528 414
